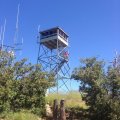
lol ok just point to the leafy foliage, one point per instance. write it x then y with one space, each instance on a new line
101 89
22 85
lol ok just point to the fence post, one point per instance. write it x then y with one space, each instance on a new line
62 110
55 110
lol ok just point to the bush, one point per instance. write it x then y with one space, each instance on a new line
77 113
22 85
102 88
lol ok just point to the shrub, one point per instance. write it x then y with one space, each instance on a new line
22 85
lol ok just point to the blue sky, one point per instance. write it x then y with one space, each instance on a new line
93 26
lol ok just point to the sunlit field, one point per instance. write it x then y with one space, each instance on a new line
72 99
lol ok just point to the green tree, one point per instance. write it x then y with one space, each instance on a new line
6 77
113 77
97 87
22 85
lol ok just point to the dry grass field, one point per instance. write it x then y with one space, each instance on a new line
72 99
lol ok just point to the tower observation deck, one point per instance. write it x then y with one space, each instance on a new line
53 55
50 37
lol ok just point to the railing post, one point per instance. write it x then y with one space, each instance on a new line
55 110
62 110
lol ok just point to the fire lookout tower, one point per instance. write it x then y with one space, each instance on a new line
53 55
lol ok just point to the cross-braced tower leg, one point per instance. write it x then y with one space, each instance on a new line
53 56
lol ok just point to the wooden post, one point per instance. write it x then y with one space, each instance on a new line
62 110
55 110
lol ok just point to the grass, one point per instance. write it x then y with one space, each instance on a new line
23 115
72 99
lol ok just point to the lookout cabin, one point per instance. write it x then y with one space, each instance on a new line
54 38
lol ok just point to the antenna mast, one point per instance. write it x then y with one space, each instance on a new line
3 33
116 61
1 38
16 31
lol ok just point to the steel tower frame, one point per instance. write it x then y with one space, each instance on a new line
55 60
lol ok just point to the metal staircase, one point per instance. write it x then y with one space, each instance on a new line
58 67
